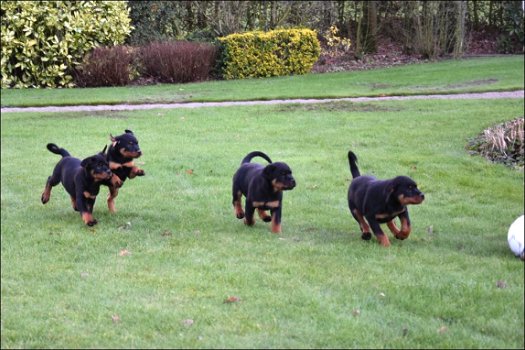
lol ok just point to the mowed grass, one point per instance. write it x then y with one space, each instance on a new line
157 273
502 73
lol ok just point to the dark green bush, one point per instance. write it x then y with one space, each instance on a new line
42 41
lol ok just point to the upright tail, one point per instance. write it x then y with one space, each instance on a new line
352 159
57 150
254 154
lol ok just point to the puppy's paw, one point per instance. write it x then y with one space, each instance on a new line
92 222
383 240
116 181
140 172
366 236
44 198
267 218
239 215
249 222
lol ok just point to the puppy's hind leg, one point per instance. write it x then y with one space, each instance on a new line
113 193
51 182
363 225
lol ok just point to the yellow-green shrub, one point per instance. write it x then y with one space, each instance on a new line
273 53
43 40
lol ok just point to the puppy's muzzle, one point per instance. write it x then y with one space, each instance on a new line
417 199
289 184
131 154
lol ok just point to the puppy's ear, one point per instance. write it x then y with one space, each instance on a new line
104 150
389 191
268 171
128 131
112 138
86 162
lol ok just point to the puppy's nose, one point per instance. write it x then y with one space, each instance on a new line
422 195
293 183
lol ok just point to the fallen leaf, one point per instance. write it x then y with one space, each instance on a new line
124 252
501 284
125 226
356 312
187 322
115 318
430 229
442 329
189 171
382 294
232 299
166 233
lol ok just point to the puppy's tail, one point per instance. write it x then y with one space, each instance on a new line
254 154
57 150
352 159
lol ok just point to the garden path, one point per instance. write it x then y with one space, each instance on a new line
127 107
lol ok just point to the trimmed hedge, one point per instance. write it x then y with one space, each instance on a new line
265 54
43 41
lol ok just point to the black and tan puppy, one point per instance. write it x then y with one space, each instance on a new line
373 202
263 188
121 154
81 179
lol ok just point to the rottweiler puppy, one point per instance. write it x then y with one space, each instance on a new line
373 202
81 179
263 188
121 154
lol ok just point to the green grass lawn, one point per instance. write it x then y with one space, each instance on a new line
450 76
156 273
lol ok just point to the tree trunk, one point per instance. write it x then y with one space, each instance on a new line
460 28
369 27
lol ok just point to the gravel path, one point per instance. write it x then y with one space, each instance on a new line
127 107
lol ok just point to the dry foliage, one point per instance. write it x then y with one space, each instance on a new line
502 143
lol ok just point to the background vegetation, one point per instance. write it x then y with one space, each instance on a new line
430 28
44 45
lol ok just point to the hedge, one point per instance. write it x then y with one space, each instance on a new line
265 54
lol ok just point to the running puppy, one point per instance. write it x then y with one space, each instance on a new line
121 154
381 201
81 179
263 188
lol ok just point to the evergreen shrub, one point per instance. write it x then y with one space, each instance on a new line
265 54
42 41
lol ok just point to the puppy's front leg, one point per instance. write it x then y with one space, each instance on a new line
276 220
405 226
376 228
249 210
85 206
